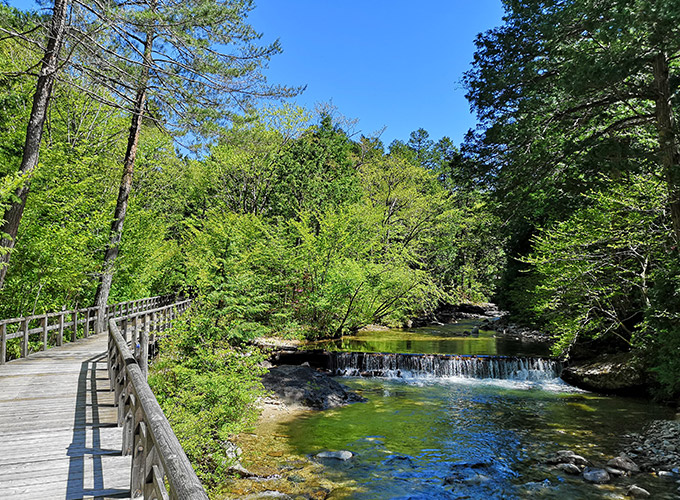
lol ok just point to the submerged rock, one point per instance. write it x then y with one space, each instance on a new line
619 373
569 469
596 475
304 386
338 455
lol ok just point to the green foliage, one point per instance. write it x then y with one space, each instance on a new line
596 268
207 388
663 320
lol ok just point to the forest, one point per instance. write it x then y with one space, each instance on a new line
142 152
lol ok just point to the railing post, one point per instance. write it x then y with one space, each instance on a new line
144 347
74 317
60 334
24 338
3 343
86 331
43 322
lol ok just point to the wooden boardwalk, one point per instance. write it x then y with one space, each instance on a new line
58 432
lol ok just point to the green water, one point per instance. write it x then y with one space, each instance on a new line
488 439
467 438
444 339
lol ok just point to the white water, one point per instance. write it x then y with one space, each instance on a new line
427 366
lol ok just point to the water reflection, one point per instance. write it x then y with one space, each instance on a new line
440 339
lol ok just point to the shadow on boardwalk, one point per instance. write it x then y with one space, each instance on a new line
80 450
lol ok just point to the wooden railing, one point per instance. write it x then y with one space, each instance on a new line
55 327
157 456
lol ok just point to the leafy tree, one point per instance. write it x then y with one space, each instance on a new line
173 54
597 267
566 92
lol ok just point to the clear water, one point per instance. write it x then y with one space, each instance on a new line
456 437
471 438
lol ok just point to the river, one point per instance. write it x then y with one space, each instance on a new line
421 436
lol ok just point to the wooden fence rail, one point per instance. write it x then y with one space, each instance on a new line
55 327
157 456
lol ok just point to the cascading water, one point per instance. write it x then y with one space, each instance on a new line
443 366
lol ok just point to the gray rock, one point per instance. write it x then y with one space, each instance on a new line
239 470
338 455
621 372
615 472
636 491
665 473
622 462
599 476
305 386
569 469
567 457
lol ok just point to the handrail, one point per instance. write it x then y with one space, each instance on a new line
68 323
157 455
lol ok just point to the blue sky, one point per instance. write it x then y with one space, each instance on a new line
388 63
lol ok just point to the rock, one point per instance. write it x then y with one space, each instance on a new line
569 468
636 491
338 455
599 476
232 451
239 470
622 462
266 494
294 478
302 385
567 457
615 472
665 473
622 372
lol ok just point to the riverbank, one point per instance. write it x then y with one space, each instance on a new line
268 465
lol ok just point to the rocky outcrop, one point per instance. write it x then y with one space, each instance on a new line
614 373
304 386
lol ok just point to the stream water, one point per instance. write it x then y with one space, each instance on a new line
459 436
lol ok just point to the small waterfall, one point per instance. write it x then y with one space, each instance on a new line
443 365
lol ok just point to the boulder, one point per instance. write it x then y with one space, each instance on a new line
304 386
599 476
616 373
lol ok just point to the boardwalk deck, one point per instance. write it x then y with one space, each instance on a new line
58 432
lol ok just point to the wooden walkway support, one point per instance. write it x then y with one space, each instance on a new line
59 419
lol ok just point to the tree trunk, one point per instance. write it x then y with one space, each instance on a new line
34 131
668 147
102 296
